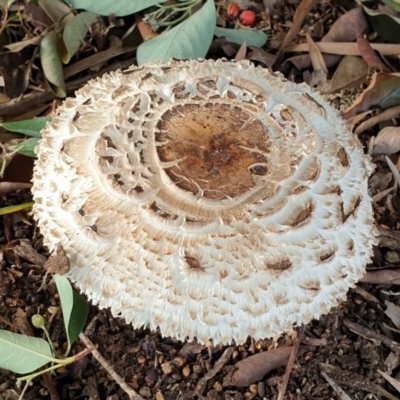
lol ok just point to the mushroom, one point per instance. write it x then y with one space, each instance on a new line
211 199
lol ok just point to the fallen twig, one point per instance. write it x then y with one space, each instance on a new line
110 370
345 48
201 384
371 334
289 367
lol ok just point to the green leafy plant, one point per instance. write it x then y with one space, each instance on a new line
188 34
24 354
31 128
186 27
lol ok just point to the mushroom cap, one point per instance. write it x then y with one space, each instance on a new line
211 199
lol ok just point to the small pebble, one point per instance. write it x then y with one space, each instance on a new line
186 371
392 257
197 369
159 396
145 391
166 368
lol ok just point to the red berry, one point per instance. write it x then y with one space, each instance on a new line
232 10
247 17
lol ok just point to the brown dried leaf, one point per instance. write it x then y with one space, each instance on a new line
350 73
15 69
393 312
347 27
191 348
387 141
252 369
230 49
383 92
369 55
241 53
37 17
304 62
8 187
343 395
301 11
57 263
262 56
352 379
317 60
345 48
95 59
394 382
392 112
20 321
359 118
26 251
382 277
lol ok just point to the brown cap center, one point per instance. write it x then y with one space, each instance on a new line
223 149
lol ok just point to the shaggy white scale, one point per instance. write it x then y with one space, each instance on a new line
211 199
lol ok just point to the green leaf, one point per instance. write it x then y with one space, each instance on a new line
57 10
120 8
382 92
74 308
51 63
29 127
387 26
6 3
27 147
252 38
75 31
189 39
392 4
23 354
12 209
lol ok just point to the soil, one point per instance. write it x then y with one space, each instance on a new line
350 344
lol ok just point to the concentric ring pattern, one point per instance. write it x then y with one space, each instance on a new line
211 199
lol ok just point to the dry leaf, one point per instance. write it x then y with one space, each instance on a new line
301 11
394 382
15 69
383 92
241 53
393 312
369 54
57 263
253 368
304 62
348 27
317 60
262 56
343 395
382 277
25 250
8 187
387 141
230 49
345 48
20 321
190 349
350 73
392 112
354 380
